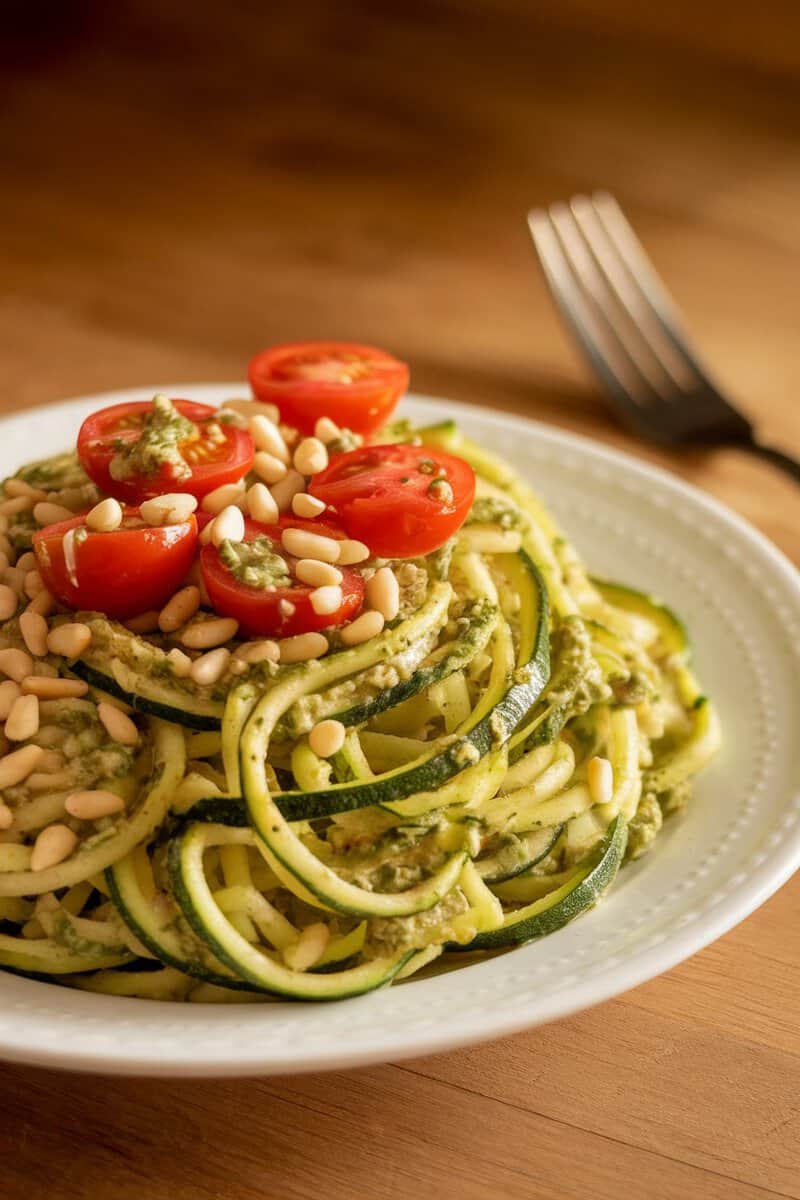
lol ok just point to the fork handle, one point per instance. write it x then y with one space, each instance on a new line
777 457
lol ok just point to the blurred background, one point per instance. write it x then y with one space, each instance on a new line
184 183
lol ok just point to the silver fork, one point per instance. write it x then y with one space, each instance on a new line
628 327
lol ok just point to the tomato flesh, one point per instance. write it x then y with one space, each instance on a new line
122 573
402 501
287 610
216 454
357 386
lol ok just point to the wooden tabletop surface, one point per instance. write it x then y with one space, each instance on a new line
180 190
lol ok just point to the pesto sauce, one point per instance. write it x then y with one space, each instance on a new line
255 563
163 431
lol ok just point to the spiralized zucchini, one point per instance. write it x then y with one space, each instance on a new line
512 738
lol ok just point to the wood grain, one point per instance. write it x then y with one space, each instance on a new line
183 185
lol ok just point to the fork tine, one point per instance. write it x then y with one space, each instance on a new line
604 353
638 285
655 380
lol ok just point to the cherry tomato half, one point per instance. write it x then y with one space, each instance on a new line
287 610
356 386
214 454
121 573
400 500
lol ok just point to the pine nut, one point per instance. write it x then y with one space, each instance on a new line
16 664
52 846
267 436
54 689
286 489
181 663
23 720
51 760
119 727
173 508
351 551
8 602
4 563
47 513
19 487
33 584
34 630
326 600
205 634
180 609
442 491
17 766
105 516
286 608
17 505
316 573
71 639
146 622
194 576
600 775
210 667
289 434
14 577
327 738
91 805
42 603
250 408
309 947
367 626
268 467
261 504
5 542
228 526
256 652
9 691
26 561
326 430
50 781
222 497
6 817
383 593
302 544
304 505
303 647
310 457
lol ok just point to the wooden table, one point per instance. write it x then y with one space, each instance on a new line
179 190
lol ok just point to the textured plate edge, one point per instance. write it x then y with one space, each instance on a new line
470 1030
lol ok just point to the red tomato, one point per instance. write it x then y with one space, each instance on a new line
121 573
211 462
356 386
287 610
402 501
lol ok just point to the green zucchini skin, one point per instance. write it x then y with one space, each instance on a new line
552 912
251 965
44 956
470 641
496 727
674 634
167 945
499 867
169 709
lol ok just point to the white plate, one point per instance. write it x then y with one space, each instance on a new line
739 841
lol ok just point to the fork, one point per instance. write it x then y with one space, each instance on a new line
628 327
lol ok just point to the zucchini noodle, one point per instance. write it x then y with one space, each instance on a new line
518 733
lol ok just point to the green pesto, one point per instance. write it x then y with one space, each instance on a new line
163 431
255 563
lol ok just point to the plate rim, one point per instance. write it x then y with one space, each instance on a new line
466 1029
